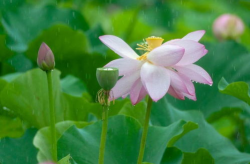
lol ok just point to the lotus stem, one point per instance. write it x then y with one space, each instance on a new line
52 117
144 132
105 108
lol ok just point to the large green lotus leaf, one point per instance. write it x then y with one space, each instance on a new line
93 36
239 90
10 124
119 3
171 134
27 96
42 139
10 127
237 118
126 24
6 4
220 148
229 122
122 107
5 51
123 141
73 86
159 15
201 156
130 27
10 77
226 59
24 23
19 150
65 42
172 155
70 48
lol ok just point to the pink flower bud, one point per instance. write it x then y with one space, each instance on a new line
228 26
45 59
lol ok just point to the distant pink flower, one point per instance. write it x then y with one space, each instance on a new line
45 58
228 26
161 69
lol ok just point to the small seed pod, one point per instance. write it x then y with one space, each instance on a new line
45 59
107 77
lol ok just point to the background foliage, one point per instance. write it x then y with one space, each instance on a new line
213 129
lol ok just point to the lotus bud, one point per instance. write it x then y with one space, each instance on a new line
45 59
107 77
228 26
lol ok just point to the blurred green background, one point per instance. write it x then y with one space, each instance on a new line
71 29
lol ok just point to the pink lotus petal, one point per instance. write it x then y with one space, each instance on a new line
137 92
124 96
166 55
125 65
193 51
188 83
195 73
124 84
175 93
155 79
195 36
118 46
191 97
177 82
171 41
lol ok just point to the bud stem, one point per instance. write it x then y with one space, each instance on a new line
145 132
52 117
105 108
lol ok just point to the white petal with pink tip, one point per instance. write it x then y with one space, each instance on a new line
166 55
176 82
195 36
124 84
195 73
155 79
125 65
137 92
175 93
193 51
118 46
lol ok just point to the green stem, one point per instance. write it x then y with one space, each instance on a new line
52 117
145 132
104 130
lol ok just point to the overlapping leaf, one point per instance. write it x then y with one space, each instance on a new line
27 96
123 141
18 150
220 148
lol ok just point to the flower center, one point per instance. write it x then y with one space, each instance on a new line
148 45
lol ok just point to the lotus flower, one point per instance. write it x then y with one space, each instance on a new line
162 68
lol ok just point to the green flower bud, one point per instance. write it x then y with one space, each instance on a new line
107 77
45 59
